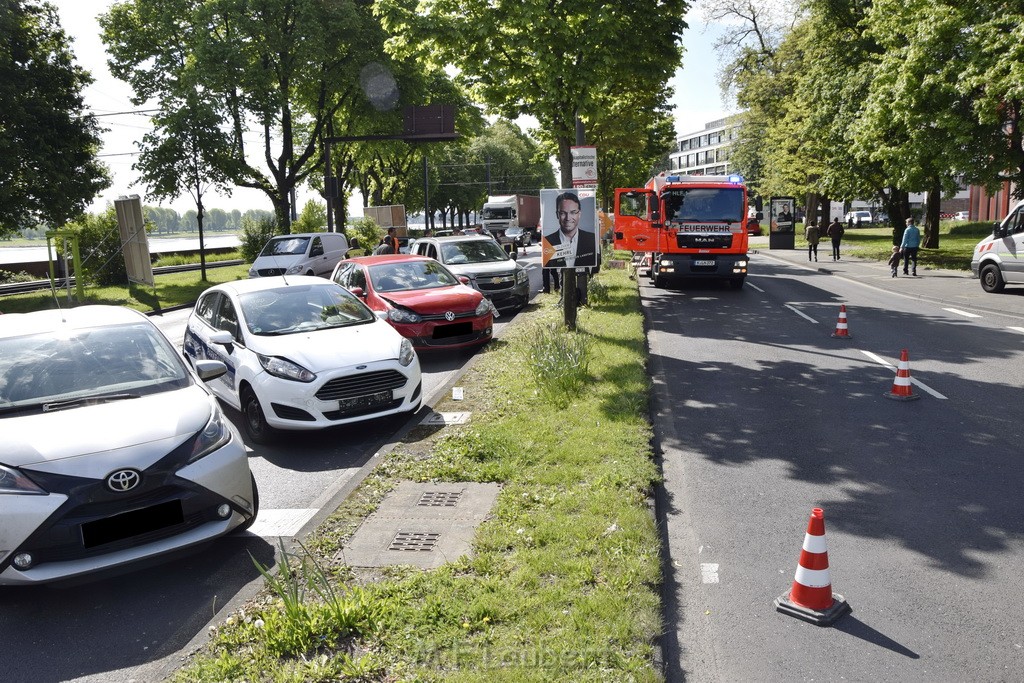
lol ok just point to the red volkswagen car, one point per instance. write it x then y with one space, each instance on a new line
421 299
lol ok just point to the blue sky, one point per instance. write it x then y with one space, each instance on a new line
697 101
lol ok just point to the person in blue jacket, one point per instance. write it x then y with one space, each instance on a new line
909 246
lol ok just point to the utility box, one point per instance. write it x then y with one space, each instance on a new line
391 216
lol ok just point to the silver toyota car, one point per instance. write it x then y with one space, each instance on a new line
113 448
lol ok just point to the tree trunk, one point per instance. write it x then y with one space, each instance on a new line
931 219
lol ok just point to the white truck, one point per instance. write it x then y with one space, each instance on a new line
502 212
998 259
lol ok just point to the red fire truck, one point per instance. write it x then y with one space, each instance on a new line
693 226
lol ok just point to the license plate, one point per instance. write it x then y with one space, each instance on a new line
368 401
704 262
133 523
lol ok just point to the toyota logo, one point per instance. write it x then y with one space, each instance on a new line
123 480
449 316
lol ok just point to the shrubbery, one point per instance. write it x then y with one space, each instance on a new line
255 234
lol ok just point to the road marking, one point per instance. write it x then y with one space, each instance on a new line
963 313
882 361
801 314
708 572
273 523
1016 329
750 284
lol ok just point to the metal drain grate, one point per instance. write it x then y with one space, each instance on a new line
414 541
437 499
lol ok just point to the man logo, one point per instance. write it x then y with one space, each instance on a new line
123 481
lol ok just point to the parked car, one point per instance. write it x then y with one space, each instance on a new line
422 299
522 238
858 217
490 269
302 353
114 450
310 253
962 216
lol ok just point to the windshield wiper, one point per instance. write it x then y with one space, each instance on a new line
87 401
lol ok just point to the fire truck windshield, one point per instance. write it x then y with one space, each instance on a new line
703 204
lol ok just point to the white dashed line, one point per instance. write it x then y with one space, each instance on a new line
750 284
923 387
965 314
801 314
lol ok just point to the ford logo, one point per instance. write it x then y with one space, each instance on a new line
122 481
449 316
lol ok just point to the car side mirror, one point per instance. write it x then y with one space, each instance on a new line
464 280
358 291
222 337
210 369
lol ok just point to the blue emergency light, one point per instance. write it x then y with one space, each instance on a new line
736 178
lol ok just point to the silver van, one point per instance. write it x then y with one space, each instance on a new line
309 253
999 258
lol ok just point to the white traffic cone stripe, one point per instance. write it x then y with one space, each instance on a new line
815 544
812 578
901 381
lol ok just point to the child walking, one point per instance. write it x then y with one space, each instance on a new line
894 260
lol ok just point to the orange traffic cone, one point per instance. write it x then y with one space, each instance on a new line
901 390
841 328
811 597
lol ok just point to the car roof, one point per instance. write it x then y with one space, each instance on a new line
461 238
259 284
79 317
387 258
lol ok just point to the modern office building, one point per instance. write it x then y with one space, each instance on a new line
706 151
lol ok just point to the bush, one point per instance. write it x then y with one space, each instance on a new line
99 246
256 232
560 362
7 277
365 230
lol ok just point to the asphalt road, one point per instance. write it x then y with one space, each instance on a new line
762 415
136 626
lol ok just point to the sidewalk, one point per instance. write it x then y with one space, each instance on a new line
954 288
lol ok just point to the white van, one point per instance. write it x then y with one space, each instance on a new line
999 258
308 253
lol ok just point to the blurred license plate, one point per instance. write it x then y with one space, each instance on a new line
704 262
368 401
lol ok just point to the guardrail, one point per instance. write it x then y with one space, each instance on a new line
61 283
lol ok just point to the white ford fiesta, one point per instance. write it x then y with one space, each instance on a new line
302 353
113 449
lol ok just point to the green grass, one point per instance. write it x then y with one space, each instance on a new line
956 244
174 289
563 583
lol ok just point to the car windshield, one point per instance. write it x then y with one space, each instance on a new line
285 247
704 204
494 213
408 275
302 308
473 251
87 365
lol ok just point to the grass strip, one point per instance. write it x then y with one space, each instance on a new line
563 582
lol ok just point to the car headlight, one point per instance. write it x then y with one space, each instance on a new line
13 481
483 307
214 435
403 315
285 369
294 270
522 276
406 354
253 272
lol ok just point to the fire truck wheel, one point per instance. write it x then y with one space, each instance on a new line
736 283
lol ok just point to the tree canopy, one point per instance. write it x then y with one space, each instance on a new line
49 171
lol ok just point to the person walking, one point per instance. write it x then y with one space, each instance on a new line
909 246
835 232
894 260
813 236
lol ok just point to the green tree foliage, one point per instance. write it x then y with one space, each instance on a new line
277 67
313 217
256 232
48 143
570 55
